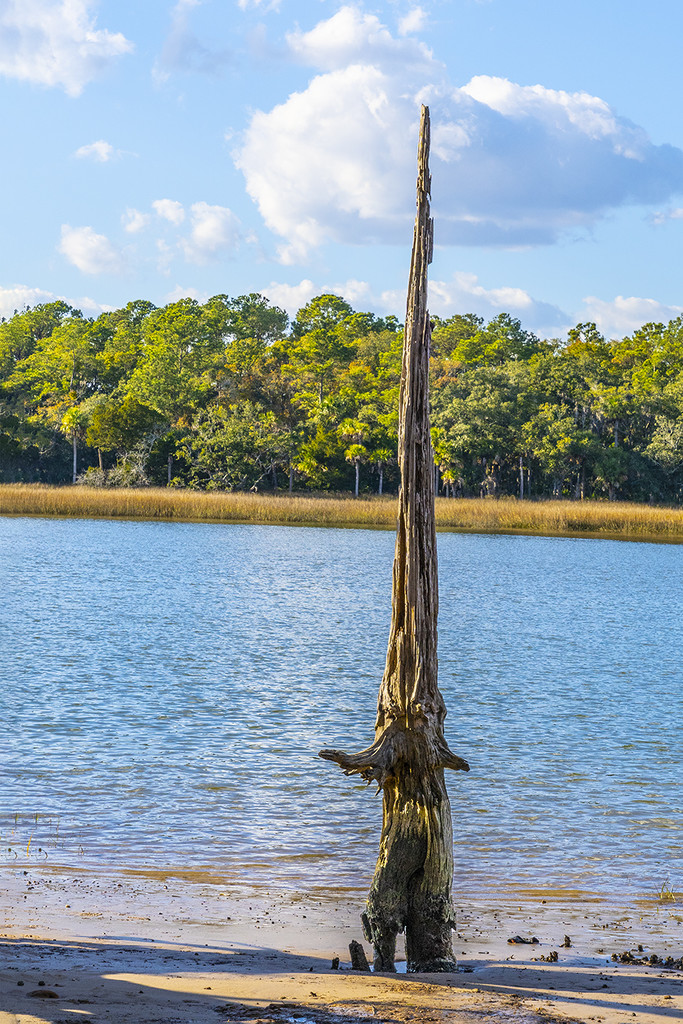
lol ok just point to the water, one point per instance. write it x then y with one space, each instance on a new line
165 688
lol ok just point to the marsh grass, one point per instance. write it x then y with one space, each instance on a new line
505 515
25 838
668 895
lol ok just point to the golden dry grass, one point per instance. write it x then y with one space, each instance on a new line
565 518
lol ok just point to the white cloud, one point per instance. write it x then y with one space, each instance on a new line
463 293
55 43
169 210
89 252
352 37
291 297
19 296
134 220
317 169
180 292
14 299
446 295
87 305
662 216
100 151
354 291
215 229
590 114
623 315
511 164
413 21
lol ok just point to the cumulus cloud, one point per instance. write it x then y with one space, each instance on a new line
88 305
56 43
512 164
465 293
183 51
462 293
99 151
215 230
170 210
413 21
19 296
291 297
622 315
134 220
181 292
315 168
352 37
89 252
354 291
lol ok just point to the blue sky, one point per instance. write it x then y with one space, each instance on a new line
162 149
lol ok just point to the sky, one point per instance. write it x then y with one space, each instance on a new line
162 149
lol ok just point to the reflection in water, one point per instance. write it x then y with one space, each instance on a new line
166 687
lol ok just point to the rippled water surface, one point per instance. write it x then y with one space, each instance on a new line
165 688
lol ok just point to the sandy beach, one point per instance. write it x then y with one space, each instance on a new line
163 948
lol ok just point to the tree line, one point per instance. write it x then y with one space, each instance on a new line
230 394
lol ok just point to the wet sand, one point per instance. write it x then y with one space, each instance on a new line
149 948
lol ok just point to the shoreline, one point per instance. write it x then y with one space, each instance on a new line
121 948
510 516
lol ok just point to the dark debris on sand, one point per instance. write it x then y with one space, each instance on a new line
367 1013
669 963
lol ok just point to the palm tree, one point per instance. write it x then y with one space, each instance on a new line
381 457
73 424
356 432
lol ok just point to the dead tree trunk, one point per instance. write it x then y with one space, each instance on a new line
411 888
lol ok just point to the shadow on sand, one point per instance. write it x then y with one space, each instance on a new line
124 979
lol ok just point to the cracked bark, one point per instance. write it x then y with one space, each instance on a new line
411 888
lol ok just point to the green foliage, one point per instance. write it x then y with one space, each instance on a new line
232 448
181 346
247 317
467 341
225 395
60 371
120 424
31 451
20 335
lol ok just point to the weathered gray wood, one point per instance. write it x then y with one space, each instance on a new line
411 888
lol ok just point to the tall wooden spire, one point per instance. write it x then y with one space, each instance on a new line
411 888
